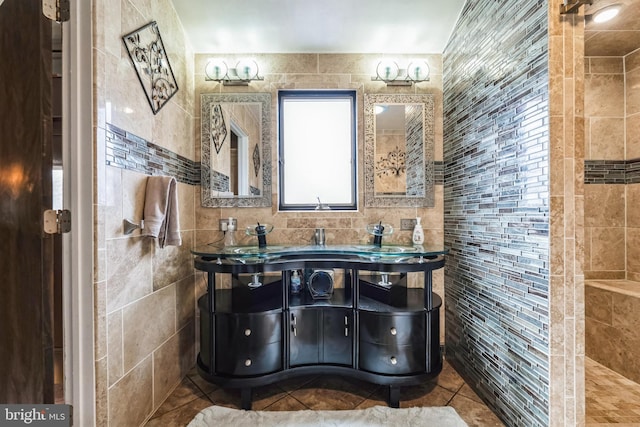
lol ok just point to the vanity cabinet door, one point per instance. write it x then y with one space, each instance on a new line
248 344
320 336
337 345
305 335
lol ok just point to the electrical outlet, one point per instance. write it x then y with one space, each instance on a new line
407 223
224 223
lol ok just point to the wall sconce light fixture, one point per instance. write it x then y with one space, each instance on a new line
245 71
389 72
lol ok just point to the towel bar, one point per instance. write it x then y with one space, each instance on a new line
129 226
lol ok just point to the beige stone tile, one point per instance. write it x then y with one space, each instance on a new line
599 304
102 410
632 61
129 271
607 138
185 301
172 263
131 398
171 362
186 202
633 136
603 95
633 91
147 323
633 250
606 246
603 65
113 203
133 189
100 316
604 205
633 200
115 365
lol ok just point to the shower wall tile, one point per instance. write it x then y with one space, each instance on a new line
606 205
602 96
632 61
633 136
633 92
498 211
613 330
633 201
600 65
605 138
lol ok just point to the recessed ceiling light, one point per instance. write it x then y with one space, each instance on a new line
606 14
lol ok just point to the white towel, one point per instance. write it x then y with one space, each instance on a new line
161 218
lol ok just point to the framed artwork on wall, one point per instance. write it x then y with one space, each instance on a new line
151 63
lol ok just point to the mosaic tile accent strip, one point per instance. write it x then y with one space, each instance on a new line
128 151
496 205
607 171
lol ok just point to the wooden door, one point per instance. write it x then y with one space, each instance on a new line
26 274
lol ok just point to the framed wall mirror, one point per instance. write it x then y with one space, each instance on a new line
399 150
236 149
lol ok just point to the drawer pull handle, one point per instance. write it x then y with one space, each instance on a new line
247 332
394 361
346 332
247 362
394 331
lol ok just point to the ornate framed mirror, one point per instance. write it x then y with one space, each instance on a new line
399 150
236 149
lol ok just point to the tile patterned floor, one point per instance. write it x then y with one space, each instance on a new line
323 392
612 400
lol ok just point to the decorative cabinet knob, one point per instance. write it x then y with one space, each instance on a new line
394 361
247 362
247 332
393 331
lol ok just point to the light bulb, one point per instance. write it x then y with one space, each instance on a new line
606 14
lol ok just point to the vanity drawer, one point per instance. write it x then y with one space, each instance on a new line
251 361
392 328
392 359
247 330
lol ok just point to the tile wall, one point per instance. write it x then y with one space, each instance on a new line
612 121
612 317
605 199
144 295
326 71
632 101
513 205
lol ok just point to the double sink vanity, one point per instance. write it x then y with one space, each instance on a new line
354 315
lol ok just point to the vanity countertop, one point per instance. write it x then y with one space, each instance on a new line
390 252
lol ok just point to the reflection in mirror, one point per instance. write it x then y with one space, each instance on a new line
236 153
399 150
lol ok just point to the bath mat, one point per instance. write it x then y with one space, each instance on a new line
377 416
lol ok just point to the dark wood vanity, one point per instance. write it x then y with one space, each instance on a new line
362 319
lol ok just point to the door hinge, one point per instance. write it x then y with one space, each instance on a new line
57 221
57 10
